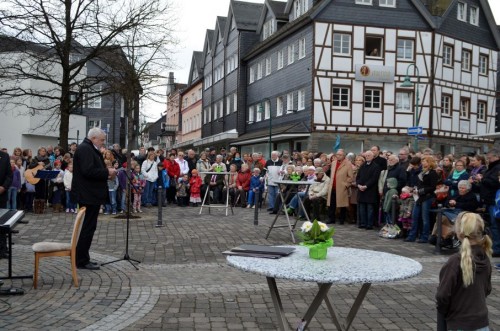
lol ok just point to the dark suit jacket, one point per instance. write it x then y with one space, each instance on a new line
368 175
90 176
5 177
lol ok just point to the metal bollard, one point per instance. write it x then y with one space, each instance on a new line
439 221
256 205
160 207
394 209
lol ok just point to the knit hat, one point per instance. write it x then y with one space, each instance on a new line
57 162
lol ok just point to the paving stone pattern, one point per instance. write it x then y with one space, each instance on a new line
184 283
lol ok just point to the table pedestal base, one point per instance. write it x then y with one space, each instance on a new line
321 296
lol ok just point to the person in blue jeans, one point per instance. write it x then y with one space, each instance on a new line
426 185
110 208
256 185
14 188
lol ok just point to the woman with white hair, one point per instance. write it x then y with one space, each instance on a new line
465 200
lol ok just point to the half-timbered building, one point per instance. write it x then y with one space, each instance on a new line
359 71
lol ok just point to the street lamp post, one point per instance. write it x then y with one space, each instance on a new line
408 83
263 111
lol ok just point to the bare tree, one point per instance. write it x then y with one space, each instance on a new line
56 39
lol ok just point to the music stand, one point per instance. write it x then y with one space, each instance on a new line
47 175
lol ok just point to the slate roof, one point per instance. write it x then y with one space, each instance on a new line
246 14
278 9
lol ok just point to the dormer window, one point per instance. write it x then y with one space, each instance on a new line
462 12
474 16
268 29
364 2
300 7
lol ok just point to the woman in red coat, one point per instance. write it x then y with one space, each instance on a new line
243 184
173 172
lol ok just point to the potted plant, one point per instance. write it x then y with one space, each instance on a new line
317 236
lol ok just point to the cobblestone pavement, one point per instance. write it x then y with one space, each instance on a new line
184 283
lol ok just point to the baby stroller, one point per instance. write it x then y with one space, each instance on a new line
448 238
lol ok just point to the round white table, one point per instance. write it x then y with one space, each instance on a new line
342 266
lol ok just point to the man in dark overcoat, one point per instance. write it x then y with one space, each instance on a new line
89 188
367 181
5 182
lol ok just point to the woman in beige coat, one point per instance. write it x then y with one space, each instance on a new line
341 177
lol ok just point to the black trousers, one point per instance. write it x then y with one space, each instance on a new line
87 234
333 207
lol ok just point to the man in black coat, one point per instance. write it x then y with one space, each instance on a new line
5 182
89 188
489 185
5 178
368 197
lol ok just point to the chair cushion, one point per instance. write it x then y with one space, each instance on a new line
44 247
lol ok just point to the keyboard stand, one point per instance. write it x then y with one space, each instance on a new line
10 264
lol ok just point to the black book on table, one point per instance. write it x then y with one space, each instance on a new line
264 249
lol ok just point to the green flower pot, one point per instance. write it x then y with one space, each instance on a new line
319 251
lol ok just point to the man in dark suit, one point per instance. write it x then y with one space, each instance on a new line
5 182
89 188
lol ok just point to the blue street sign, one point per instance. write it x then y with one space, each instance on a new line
415 130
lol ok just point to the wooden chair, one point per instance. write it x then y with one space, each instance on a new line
47 249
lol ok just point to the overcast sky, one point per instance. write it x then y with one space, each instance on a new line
196 16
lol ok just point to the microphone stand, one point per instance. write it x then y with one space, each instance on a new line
127 257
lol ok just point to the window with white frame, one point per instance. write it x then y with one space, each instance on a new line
228 104
216 110
235 102
208 81
300 7
462 11
251 73
341 97
342 43
403 102
405 49
268 66
483 64
301 99
464 107
466 60
267 109
268 29
291 53
448 55
363 2
221 109
302 48
289 102
205 115
387 3
94 97
259 70
279 105
210 113
481 110
446 104
474 16
251 111
280 59
373 99
260 110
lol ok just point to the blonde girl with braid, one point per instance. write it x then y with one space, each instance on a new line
465 280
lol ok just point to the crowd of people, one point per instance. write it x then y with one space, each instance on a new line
369 190
343 187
